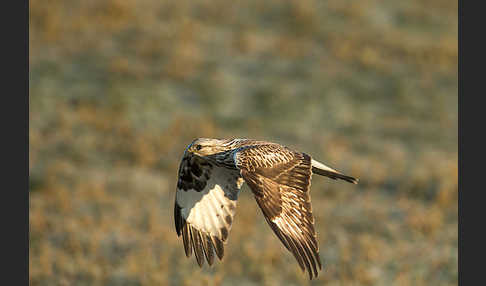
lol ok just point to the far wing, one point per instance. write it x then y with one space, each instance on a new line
280 181
205 207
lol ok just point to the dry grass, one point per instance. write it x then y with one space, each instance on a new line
119 88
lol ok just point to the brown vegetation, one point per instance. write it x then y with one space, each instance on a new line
118 89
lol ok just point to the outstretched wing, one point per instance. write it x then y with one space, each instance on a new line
280 181
205 206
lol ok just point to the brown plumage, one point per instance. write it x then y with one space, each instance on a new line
210 177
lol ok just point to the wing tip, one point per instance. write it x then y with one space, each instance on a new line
197 245
203 244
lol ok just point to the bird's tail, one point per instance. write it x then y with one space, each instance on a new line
323 170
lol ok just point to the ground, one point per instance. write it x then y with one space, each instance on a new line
119 88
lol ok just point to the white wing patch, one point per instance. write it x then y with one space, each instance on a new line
204 218
206 209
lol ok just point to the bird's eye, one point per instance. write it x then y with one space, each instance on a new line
198 147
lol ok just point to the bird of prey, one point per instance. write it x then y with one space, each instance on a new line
211 174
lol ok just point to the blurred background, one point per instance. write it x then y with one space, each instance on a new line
118 88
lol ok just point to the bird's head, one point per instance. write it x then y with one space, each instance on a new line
203 147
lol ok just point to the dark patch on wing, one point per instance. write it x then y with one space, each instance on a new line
196 170
224 233
193 174
199 185
228 219
281 189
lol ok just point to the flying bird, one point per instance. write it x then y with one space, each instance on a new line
211 174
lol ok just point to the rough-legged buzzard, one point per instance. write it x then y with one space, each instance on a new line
211 174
